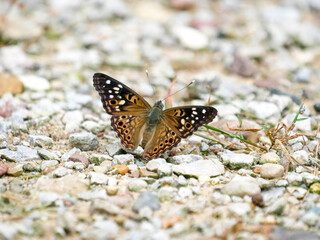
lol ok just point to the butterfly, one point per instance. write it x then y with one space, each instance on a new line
134 119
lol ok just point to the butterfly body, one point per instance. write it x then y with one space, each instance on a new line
134 119
155 115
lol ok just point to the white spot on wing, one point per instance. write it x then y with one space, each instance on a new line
119 85
116 88
203 111
111 96
108 82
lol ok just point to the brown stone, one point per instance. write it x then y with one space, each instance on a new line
79 158
122 169
3 169
10 84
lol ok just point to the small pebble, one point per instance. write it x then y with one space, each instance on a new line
122 169
136 185
270 157
40 140
84 141
146 199
60 172
79 158
240 186
3 169
123 159
98 178
271 170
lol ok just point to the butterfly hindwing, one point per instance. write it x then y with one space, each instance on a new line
129 129
185 120
117 98
163 138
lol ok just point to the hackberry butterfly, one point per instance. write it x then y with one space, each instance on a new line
134 119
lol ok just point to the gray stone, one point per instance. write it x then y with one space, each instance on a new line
35 83
294 178
237 160
311 219
136 185
272 195
271 170
72 120
40 140
48 198
220 199
48 163
282 183
153 164
67 155
199 168
84 141
99 158
22 153
240 186
182 181
263 109
167 193
16 141
190 37
146 199
61 171
185 158
239 209
109 229
123 159
164 170
309 178
93 126
93 194
185 193
301 156
292 234
277 207
113 148
303 75
270 157
98 178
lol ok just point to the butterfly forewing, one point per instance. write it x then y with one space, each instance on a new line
117 98
185 120
128 108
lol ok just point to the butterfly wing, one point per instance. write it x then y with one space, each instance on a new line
177 123
163 138
185 120
117 98
128 109
129 129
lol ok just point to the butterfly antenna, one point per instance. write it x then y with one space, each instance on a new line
147 73
193 81
210 91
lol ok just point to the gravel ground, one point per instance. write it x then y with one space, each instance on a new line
63 171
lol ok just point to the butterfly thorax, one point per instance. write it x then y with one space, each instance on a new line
155 114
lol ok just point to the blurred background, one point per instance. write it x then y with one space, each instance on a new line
232 46
256 61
